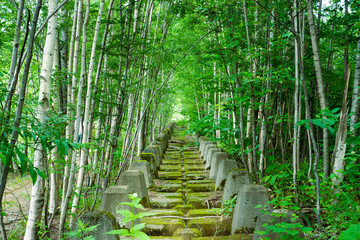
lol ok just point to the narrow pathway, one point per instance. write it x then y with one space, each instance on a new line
184 197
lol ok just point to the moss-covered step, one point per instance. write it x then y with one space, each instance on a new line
166 212
201 187
231 237
204 199
169 175
191 156
194 161
196 175
170 168
200 213
200 181
170 162
171 195
165 238
169 187
187 233
184 207
211 226
163 202
162 226
198 167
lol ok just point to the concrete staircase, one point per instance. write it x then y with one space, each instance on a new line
183 197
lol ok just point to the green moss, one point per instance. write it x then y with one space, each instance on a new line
167 212
198 167
193 161
170 187
201 187
200 212
162 226
205 181
171 162
212 226
166 238
184 207
187 233
169 168
169 175
165 202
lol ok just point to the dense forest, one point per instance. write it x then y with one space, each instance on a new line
87 85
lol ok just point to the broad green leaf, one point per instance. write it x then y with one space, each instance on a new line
137 227
91 228
125 213
144 214
3 159
40 173
33 174
352 233
141 236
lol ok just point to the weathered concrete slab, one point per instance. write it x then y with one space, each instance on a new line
235 180
155 151
245 213
209 156
111 198
187 233
217 158
206 150
106 222
136 182
203 146
144 167
224 168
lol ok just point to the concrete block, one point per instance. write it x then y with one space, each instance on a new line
144 167
234 181
136 182
207 148
274 217
202 147
217 158
106 221
209 156
223 171
150 158
156 154
245 213
111 198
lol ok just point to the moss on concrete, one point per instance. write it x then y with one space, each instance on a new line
184 207
162 226
169 175
232 237
187 233
165 202
201 187
200 212
211 226
169 187
170 168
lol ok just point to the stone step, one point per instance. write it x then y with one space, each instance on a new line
211 225
162 226
231 237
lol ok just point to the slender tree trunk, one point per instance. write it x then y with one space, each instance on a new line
69 179
355 95
87 134
320 86
38 190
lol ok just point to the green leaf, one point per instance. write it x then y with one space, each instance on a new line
141 236
40 173
121 232
33 174
352 233
43 143
137 227
125 213
3 159
91 228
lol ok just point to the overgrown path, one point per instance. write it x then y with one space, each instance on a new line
184 198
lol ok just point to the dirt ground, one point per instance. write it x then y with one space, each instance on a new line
16 203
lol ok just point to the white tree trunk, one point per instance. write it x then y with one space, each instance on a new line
355 96
37 194
320 84
86 133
